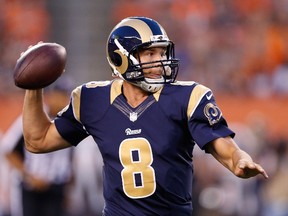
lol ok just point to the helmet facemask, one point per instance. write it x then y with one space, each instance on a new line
135 72
169 65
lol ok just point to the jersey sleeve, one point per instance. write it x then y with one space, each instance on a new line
68 121
206 122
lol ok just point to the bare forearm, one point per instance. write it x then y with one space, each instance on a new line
40 133
227 152
35 121
222 149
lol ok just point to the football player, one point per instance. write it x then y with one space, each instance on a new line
145 123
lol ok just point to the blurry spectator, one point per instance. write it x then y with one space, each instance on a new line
275 191
25 21
86 193
22 23
4 184
280 79
4 188
43 178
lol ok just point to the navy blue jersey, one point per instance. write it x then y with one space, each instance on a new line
147 150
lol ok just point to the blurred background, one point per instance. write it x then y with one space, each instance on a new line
237 48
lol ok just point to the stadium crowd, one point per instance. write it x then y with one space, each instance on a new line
234 47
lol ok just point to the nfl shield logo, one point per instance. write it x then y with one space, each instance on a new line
133 116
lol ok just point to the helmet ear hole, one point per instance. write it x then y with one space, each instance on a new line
117 60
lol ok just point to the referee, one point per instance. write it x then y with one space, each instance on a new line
43 178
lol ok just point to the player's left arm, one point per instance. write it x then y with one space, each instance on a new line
239 162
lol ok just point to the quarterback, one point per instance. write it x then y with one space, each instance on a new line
145 122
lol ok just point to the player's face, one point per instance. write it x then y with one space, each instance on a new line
153 70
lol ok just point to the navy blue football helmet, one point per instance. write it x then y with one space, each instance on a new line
124 42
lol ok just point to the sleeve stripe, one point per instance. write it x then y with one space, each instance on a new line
196 95
76 95
116 89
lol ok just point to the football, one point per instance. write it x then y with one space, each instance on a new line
40 65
